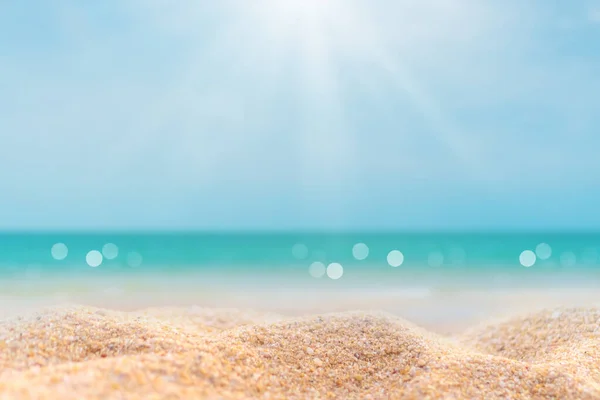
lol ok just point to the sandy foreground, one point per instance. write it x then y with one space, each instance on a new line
191 352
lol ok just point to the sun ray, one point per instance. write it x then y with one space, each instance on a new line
196 98
371 42
330 29
318 37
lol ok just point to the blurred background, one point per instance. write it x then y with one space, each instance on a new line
407 147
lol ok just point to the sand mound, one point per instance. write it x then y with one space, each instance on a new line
536 337
568 338
208 320
65 334
349 356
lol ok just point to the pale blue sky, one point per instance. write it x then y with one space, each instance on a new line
284 114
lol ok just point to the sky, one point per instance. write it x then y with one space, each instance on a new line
300 114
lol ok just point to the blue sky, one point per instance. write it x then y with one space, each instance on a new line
289 114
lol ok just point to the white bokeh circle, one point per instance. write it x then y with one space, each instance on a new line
59 251
360 251
93 258
134 259
568 259
395 258
435 259
527 258
110 251
317 269
335 271
543 251
300 251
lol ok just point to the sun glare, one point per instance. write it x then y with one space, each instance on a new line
299 9
300 19
323 55
330 35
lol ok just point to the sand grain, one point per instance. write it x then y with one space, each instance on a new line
79 352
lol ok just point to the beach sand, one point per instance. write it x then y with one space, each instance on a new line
191 352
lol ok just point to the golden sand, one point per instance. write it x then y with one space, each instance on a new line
195 353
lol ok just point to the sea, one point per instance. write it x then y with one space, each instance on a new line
417 262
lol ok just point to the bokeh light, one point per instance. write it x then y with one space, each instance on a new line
568 259
435 259
589 256
59 251
543 251
317 269
360 251
300 251
110 251
134 259
457 256
335 271
527 258
93 258
395 258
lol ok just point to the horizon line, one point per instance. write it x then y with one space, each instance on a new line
233 232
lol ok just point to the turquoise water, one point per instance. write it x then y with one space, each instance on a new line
426 258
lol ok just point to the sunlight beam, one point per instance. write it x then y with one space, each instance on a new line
314 39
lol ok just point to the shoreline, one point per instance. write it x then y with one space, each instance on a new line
443 311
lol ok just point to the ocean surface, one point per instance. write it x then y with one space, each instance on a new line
441 261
